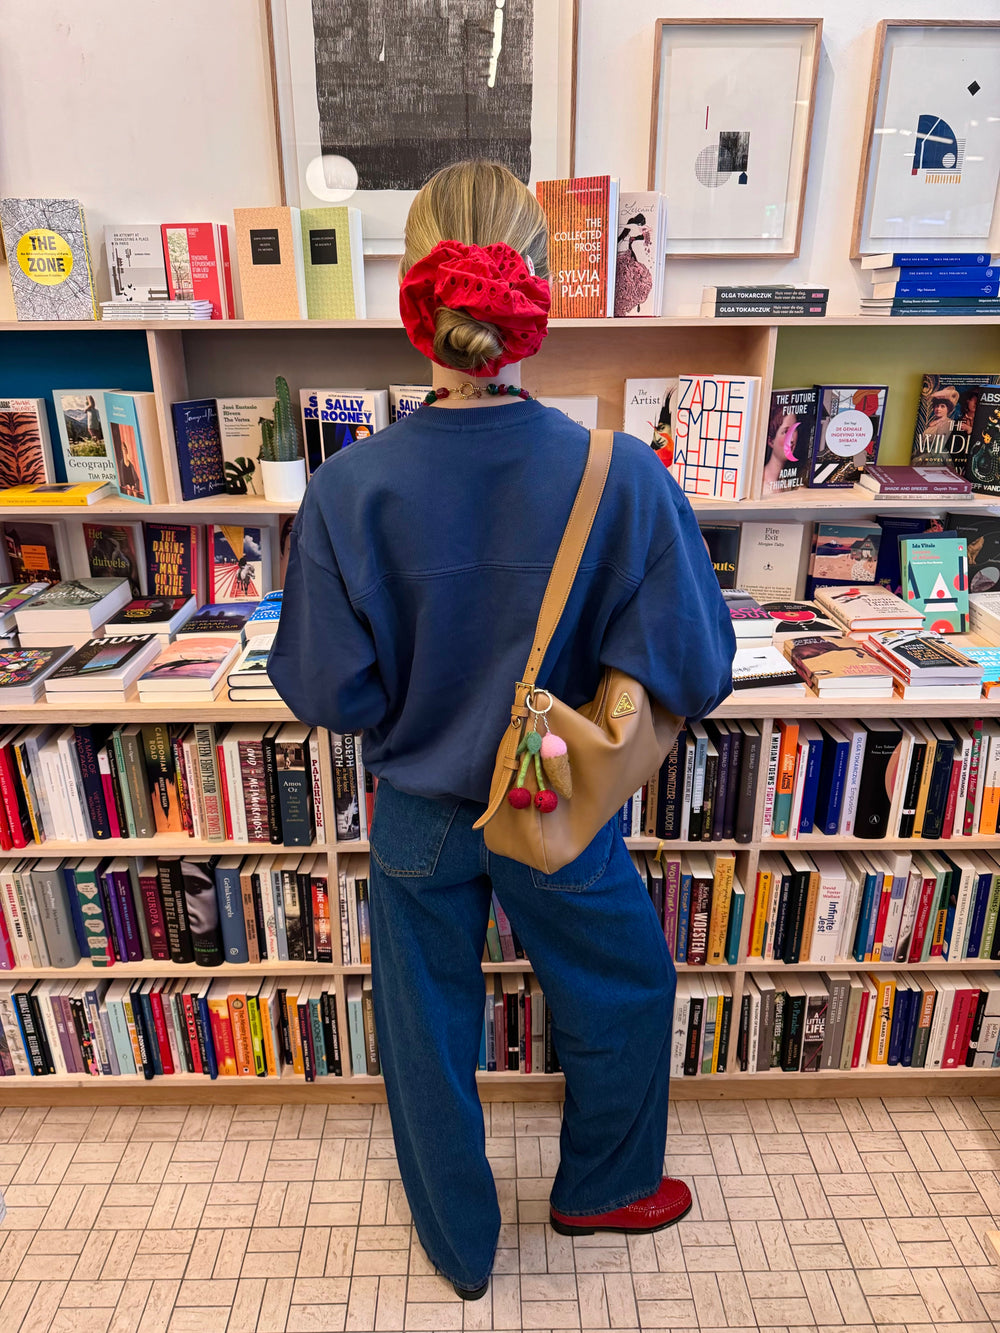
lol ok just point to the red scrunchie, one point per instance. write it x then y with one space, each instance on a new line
491 283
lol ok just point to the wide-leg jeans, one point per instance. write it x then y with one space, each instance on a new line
595 944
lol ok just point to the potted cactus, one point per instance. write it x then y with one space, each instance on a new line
282 461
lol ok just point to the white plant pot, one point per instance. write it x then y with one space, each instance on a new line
284 483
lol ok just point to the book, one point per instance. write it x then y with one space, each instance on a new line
838 668
907 259
923 656
641 252
191 667
861 608
25 446
913 481
798 618
582 216
35 552
174 560
945 416
982 547
935 579
48 258
650 406
64 494
223 618
198 266
849 428
84 437
161 616
74 605
772 563
984 444
842 552
406 398
335 418
791 425
109 664
333 263
751 624
269 255
249 671
115 550
950 287
135 440
12 597
714 428
264 620
765 668
135 263
23 672
723 542
581 408
198 445
239 563
239 423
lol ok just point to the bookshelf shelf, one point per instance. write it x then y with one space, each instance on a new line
191 359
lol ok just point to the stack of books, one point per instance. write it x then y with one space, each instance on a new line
964 283
120 310
248 681
764 302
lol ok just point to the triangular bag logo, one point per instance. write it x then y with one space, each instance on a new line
624 706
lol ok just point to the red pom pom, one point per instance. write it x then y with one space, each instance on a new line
519 797
546 801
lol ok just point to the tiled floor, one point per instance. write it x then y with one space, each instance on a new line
849 1216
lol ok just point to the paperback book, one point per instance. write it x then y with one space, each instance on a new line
799 619
642 248
240 439
84 435
860 608
74 604
723 542
772 561
335 418
135 440
174 559
650 407
25 446
105 664
582 216
981 533
849 427
936 579
189 668
224 618
239 567
269 254
838 668
790 429
765 667
161 616
23 672
946 414
198 264
35 552
61 494
48 258
406 398
199 448
984 444
115 551
913 481
333 260
135 264
714 429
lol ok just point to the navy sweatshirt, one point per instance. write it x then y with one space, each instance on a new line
419 558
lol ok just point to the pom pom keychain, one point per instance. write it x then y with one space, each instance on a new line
519 796
555 761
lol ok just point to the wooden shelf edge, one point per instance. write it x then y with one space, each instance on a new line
193 1089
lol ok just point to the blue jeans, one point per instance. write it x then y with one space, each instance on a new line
597 948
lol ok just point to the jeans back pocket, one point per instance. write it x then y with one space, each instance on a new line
408 832
585 870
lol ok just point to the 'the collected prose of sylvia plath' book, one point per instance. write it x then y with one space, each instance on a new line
582 216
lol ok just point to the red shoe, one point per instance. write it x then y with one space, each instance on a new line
668 1205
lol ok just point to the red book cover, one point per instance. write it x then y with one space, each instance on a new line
859 1036
192 1033
160 1024
152 908
195 264
222 1035
254 793
224 791
883 912
227 269
8 794
922 921
108 790
173 560
6 843
952 801
962 1016
976 729
183 779
582 234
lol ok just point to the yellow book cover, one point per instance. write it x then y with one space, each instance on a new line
240 1023
333 263
812 894
268 1024
719 1004
760 914
62 494
722 898
256 1035
878 1051
925 784
292 1012
269 254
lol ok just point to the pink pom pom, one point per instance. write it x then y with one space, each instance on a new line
546 801
552 746
519 797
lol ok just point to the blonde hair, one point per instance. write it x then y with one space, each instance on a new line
478 203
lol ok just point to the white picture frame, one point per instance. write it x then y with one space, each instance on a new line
314 178
730 129
929 177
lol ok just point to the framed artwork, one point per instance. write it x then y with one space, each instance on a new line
371 97
731 122
930 161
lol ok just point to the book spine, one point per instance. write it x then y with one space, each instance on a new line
316 779
271 787
208 781
93 788
701 898
746 800
251 761
137 781
231 914
345 788
14 809
771 787
186 805
294 793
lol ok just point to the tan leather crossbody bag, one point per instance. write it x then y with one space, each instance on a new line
612 744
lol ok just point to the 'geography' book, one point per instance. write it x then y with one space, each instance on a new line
88 454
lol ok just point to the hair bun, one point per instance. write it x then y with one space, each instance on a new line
464 342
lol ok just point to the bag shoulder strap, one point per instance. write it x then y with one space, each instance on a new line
571 548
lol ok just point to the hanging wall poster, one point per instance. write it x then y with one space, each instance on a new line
729 140
931 160
374 97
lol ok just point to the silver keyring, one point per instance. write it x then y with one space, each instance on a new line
540 712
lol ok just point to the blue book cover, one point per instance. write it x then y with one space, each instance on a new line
683 917
957 259
737 905
900 1013
865 915
198 448
830 788
910 1032
127 445
977 917
76 915
482 1046
949 305
986 287
319 1045
231 922
205 1028
959 273
895 526
810 788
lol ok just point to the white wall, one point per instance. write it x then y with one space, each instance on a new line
159 110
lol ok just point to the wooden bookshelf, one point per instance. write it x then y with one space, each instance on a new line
230 358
